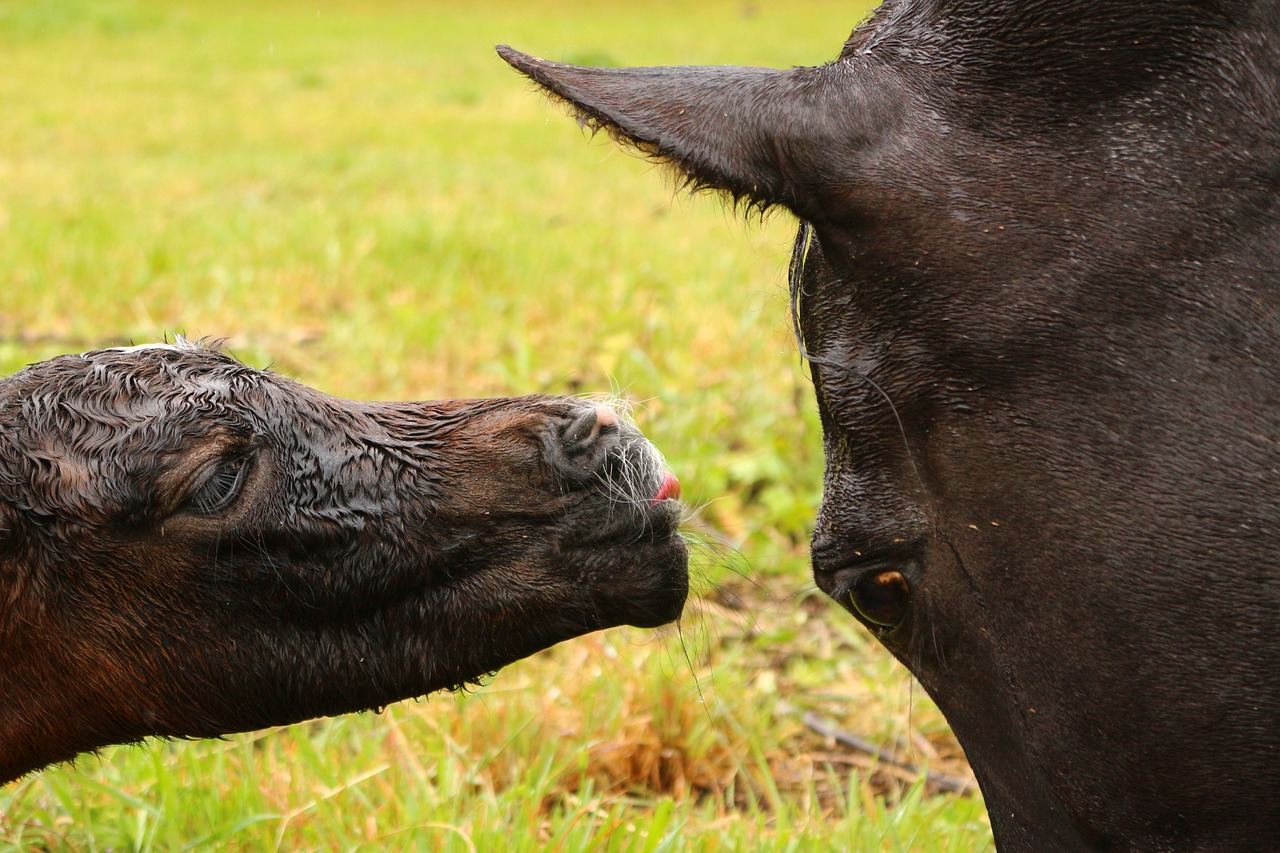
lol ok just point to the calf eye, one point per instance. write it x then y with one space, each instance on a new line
221 487
881 597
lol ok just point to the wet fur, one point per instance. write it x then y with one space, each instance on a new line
374 551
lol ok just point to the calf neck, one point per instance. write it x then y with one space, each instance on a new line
1037 282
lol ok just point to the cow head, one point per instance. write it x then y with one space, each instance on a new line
1035 280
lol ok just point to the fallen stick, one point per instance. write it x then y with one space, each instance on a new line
936 780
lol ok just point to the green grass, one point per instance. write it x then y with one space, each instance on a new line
363 196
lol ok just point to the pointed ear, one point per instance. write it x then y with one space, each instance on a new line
752 132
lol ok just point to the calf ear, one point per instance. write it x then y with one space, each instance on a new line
752 132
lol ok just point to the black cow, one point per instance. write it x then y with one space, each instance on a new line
1036 280
191 547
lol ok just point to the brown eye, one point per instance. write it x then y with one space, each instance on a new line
881 596
220 489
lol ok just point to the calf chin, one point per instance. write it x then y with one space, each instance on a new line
192 547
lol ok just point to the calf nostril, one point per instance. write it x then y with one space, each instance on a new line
587 426
606 417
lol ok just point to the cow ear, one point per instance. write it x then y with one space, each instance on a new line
746 131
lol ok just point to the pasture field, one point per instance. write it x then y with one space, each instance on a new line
363 196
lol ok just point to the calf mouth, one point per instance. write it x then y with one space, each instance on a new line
635 560
625 531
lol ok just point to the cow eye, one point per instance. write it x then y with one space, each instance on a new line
881 596
220 489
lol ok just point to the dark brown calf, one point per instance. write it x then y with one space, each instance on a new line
1037 280
191 547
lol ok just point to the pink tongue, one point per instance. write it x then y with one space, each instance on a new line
670 488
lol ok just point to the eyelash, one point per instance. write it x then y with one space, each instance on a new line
221 487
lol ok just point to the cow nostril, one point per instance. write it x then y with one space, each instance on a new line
881 596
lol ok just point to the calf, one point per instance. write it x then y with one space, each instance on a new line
191 547
1037 281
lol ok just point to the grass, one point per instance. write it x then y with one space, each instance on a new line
364 197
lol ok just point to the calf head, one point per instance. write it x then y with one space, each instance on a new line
191 547
1036 280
